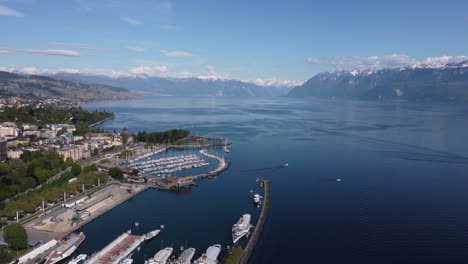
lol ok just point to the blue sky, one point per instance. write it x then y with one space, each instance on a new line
247 40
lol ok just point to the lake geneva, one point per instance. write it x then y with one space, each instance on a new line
402 198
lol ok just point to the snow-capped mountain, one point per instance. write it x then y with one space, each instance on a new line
414 82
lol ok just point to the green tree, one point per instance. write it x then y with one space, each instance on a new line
76 169
5 254
89 168
135 172
26 183
15 235
116 173
5 168
124 138
95 152
69 161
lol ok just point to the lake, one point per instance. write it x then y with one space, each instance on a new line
402 198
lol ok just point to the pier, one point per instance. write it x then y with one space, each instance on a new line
117 250
258 229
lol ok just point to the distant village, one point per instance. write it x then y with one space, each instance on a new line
15 140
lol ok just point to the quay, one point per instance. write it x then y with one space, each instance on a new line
117 250
258 229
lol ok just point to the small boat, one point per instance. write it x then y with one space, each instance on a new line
65 248
241 228
186 256
152 234
80 259
161 257
210 256
285 165
256 198
127 261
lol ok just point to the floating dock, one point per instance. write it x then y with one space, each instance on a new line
258 229
117 250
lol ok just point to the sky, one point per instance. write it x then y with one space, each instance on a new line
261 41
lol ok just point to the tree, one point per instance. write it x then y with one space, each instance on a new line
124 138
15 235
5 254
116 173
76 169
89 168
69 161
135 172
4 168
95 152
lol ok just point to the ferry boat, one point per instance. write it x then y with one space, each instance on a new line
256 198
186 256
210 256
152 234
241 228
65 248
80 259
161 257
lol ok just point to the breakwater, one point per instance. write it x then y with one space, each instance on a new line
260 224
223 164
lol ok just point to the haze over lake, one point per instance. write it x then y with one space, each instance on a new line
402 197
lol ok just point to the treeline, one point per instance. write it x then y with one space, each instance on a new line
41 116
53 192
32 169
162 137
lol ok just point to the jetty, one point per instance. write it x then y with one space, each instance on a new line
223 164
258 229
117 250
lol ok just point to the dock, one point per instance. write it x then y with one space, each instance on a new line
258 229
117 250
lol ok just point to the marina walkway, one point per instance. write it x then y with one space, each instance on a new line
258 229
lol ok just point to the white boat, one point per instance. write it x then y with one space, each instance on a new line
152 234
256 198
65 248
161 257
210 256
127 261
284 165
186 256
79 259
241 228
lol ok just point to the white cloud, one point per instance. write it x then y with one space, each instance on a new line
177 53
135 48
68 53
131 21
5 11
275 82
388 61
74 45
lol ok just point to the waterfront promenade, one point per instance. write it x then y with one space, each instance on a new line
260 224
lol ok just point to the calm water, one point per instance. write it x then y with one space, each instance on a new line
403 197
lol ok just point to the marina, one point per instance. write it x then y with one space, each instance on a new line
168 165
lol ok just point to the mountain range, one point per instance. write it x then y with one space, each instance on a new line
415 83
41 87
150 85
